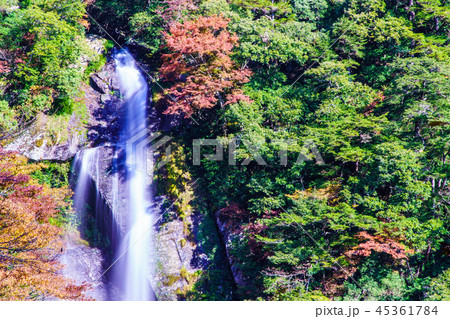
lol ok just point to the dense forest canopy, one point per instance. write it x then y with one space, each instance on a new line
368 81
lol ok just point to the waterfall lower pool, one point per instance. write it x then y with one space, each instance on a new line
130 232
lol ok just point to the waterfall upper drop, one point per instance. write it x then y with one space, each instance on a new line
133 269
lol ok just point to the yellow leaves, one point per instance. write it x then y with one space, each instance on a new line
17 164
29 243
178 179
329 193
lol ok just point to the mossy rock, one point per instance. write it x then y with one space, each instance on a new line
171 279
39 142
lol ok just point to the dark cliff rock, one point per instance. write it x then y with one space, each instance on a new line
98 84
106 109
228 231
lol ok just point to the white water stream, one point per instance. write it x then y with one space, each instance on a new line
131 268
134 265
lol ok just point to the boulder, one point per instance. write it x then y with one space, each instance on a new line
96 43
84 265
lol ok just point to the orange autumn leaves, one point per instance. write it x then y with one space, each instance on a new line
29 243
378 244
200 66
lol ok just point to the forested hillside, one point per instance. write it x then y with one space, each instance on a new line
352 94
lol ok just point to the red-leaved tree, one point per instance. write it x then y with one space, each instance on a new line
201 67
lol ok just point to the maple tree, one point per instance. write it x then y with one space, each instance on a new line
379 244
29 241
201 67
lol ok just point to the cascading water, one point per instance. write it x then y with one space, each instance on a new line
133 269
83 163
129 194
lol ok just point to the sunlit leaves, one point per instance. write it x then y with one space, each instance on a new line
41 44
29 242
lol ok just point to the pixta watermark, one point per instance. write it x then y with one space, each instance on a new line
143 148
308 153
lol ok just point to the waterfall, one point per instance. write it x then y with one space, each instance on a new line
122 203
133 269
83 163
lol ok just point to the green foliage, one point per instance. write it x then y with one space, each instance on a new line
420 89
137 21
210 7
367 81
120 9
42 43
432 16
56 175
439 289
176 182
108 45
285 290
